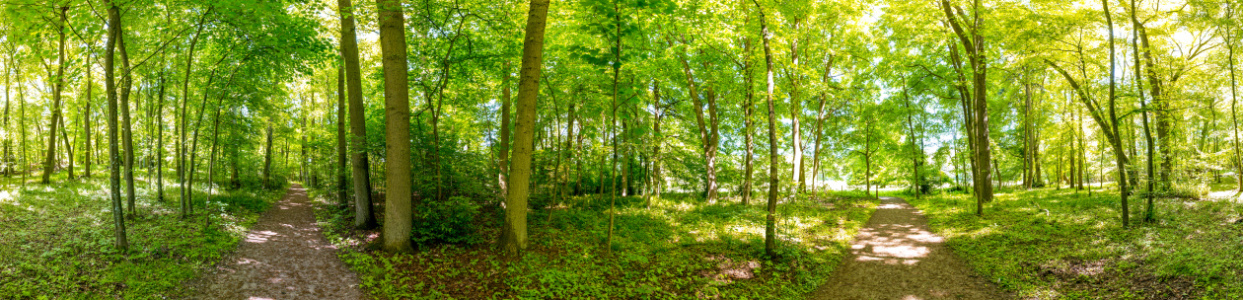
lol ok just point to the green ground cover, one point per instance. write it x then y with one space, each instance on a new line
57 241
680 248
1067 244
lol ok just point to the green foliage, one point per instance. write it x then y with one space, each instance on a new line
679 249
451 221
57 241
1051 242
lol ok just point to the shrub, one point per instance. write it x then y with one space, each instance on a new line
1189 189
451 221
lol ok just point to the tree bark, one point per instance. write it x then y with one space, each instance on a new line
114 162
50 163
364 216
397 217
127 133
770 226
514 232
503 156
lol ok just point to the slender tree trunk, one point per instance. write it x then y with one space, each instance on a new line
86 117
397 217
514 232
342 193
267 160
770 226
796 112
127 137
159 142
506 107
364 216
748 111
185 116
50 163
114 161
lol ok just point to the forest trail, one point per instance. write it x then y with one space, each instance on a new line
896 257
284 256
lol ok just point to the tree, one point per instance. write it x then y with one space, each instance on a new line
514 232
397 221
975 111
364 217
114 158
770 227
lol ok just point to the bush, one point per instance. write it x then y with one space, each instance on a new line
1189 189
451 221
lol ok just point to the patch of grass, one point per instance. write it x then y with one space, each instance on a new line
680 248
57 241
1049 243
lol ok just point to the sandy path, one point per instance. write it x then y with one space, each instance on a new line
896 257
283 257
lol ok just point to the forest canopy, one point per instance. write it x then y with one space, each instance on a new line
647 135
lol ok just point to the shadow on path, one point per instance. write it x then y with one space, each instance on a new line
284 256
896 257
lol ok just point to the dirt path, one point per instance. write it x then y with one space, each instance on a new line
283 257
896 257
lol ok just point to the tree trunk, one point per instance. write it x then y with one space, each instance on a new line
397 216
364 216
86 118
159 143
770 225
185 116
342 193
114 163
514 232
796 111
748 111
267 160
127 137
50 163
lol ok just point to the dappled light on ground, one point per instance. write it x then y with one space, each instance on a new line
283 257
895 256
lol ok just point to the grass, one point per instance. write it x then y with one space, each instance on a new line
680 248
1064 244
57 241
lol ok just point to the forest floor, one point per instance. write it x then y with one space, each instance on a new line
679 247
1050 243
284 256
57 240
896 257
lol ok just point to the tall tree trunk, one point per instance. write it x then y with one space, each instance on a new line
514 232
185 116
770 225
1150 214
796 112
49 165
86 117
341 139
503 156
748 111
973 42
159 142
114 161
397 217
127 137
267 160
364 216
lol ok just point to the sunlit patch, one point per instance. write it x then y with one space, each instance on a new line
912 297
260 236
258 298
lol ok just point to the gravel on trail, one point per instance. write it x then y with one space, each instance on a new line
895 256
284 256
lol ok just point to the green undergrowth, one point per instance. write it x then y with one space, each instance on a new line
680 248
1067 244
57 241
